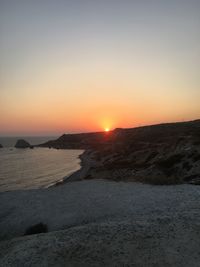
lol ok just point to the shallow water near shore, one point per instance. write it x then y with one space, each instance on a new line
35 168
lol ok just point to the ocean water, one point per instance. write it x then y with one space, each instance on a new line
35 168
33 140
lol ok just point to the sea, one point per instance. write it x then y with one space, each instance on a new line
22 169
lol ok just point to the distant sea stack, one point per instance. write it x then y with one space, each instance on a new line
21 143
1 146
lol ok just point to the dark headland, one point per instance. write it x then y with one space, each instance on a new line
157 154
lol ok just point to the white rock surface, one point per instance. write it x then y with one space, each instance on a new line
102 223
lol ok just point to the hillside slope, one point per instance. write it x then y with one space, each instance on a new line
159 154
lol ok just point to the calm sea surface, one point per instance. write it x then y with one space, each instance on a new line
34 168
33 140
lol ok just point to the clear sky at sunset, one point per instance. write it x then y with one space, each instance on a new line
85 65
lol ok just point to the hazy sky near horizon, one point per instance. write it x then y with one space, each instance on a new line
83 65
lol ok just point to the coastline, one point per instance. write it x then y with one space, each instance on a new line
87 162
82 172
40 168
75 176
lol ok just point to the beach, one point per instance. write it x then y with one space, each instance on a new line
99 222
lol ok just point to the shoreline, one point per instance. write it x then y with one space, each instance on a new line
32 175
80 174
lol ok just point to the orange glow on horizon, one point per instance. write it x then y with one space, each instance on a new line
107 129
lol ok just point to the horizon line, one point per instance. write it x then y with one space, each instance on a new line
58 134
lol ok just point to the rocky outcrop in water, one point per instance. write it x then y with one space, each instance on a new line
21 143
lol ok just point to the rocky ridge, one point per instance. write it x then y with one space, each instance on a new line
157 154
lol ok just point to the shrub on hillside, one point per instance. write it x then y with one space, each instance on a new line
36 229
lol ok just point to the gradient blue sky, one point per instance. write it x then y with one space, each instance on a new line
70 66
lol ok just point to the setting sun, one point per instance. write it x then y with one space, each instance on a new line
107 129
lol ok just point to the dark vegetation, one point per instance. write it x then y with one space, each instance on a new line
187 166
36 229
170 161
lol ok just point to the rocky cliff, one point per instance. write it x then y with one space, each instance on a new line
158 154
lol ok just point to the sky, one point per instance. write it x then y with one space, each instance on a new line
86 65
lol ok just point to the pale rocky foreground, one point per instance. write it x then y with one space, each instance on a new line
102 223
